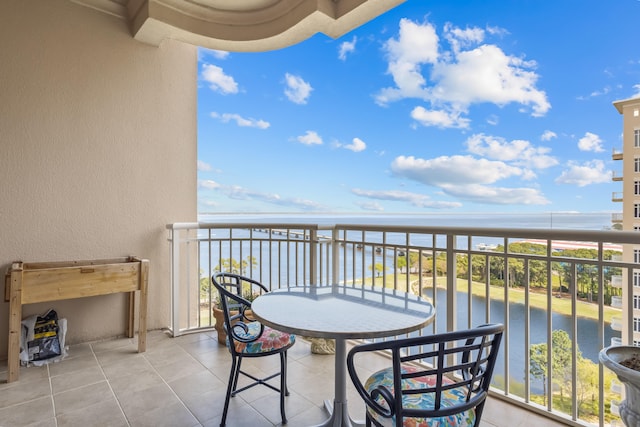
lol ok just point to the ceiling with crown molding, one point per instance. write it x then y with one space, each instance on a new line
240 25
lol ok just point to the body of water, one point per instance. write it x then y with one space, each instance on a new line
552 220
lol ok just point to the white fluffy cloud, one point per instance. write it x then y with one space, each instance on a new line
208 184
237 192
548 135
297 90
448 170
310 138
218 80
241 121
346 48
469 178
592 172
454 80
415 199
356 145
203 166
370 206
519 152
497 195
590 142
439 118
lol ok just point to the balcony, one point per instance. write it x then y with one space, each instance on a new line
616 154
616 176
616 218
181 382
616 196
511 270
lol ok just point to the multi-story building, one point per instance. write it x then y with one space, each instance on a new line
630 198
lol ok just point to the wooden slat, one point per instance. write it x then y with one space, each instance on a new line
53 284
15 323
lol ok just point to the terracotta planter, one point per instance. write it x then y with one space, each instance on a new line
219 326
611 358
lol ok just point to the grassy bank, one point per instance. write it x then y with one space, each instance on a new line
538 299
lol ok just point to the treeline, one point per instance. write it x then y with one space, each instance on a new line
491 267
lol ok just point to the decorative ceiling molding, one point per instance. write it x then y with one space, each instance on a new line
241 25
112 7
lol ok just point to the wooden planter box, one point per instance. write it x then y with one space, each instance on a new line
28 283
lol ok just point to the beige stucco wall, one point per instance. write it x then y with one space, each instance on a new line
97 151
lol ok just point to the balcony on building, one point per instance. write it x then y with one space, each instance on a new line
616 176
616 196
616 281
616 154
616 323
616 301
616 218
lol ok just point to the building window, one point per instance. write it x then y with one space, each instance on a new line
636 210
636 164
636 278
636 256
636 302
636 138
636 187
636 228
636 324
636 112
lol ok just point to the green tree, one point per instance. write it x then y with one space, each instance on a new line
561 362
378 268
231 265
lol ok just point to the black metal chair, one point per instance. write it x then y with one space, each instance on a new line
247 337
435 380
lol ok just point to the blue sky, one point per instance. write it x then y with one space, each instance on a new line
436 106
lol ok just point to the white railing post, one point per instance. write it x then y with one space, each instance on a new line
451 283
335 257
175 282
313 256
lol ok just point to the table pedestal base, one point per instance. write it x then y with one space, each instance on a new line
339 416
339 410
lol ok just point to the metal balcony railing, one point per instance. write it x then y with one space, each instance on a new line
552 289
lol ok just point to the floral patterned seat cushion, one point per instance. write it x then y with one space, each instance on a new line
419 401
270 340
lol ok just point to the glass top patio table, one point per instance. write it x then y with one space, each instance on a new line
342 312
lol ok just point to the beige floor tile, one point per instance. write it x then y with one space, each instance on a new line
75 379
176 415
136 382
82 397
103 414
24 390
30 412
138 403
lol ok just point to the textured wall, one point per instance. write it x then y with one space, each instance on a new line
98 151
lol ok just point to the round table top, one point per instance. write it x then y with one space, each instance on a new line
342 311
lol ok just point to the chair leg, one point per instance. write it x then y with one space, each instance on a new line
283 384
237 374
284 372
233 376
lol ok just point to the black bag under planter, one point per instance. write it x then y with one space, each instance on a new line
44 337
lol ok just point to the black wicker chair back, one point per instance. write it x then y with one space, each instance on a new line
440 379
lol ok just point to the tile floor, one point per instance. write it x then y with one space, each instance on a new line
181 382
